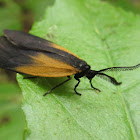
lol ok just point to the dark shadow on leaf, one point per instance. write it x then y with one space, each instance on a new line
2 4
5 119
46 83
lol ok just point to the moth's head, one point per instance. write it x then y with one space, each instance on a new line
91 74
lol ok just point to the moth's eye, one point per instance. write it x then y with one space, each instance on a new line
87 67
80 65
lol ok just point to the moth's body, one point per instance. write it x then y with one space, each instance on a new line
25 53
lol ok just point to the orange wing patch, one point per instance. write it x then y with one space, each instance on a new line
63 49
45 66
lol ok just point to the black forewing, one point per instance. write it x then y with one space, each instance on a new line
12 56
30 42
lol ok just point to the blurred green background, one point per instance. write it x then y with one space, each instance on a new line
20 15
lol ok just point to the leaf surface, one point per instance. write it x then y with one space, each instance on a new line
103 36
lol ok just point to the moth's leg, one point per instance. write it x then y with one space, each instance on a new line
77 86
94 87
69 78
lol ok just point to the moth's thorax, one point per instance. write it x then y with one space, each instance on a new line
85 68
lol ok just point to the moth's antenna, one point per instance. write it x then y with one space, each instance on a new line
119 68
108 78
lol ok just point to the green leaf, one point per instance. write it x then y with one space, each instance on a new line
9 15
103 36
11 115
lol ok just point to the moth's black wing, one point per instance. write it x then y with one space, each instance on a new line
12 56
30 42
32 62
